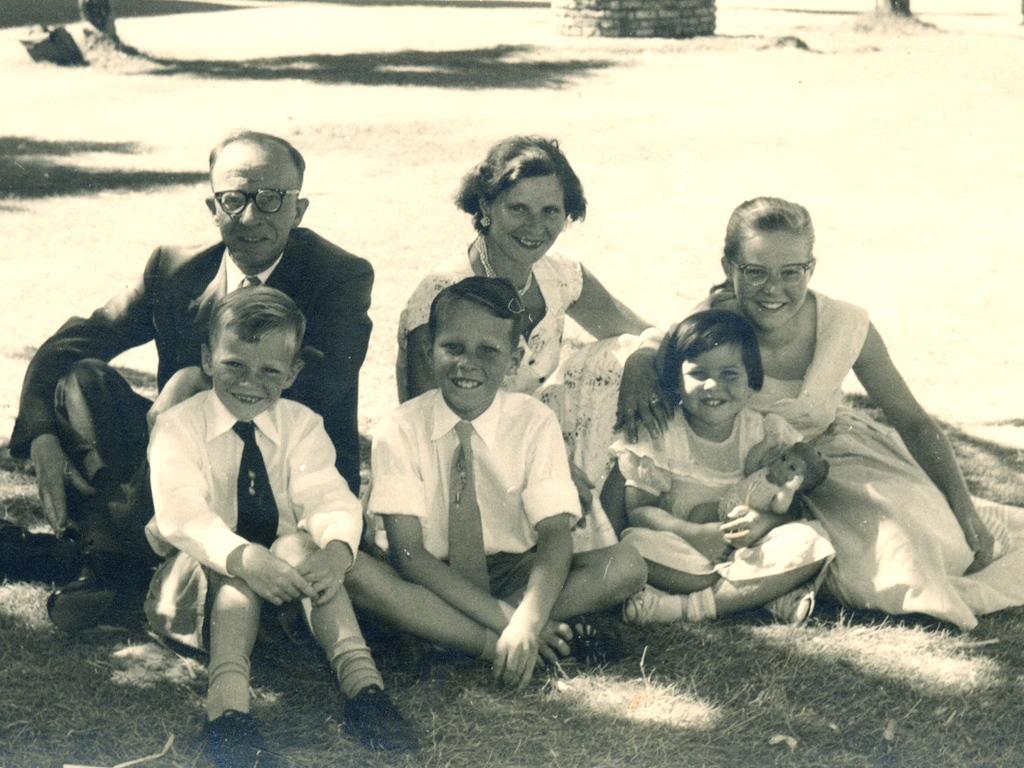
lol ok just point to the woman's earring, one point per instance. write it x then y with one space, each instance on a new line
485 221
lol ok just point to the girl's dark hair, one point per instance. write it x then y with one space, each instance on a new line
762 214
513 159
703 331
495 294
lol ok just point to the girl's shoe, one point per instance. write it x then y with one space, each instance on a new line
794 607
652 606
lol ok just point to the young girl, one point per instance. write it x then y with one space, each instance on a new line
701 570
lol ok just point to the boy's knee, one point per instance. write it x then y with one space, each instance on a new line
294 548
627 570
232 594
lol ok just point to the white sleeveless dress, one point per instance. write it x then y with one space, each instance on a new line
899 548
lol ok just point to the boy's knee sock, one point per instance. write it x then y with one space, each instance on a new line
352 663
228 686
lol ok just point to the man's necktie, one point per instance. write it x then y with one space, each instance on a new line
465 532
250 281
257 510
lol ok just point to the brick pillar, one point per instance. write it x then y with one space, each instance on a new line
635 18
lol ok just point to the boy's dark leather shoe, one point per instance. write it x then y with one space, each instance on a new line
372 718
109 590
85 602
234 741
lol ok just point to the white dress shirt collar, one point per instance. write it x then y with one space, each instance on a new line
220 420
485 425
234 276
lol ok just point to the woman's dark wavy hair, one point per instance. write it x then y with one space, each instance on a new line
513 159
701 332
761 214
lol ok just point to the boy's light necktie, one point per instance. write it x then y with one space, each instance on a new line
257 510
465 531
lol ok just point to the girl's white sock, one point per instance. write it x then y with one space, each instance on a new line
700 606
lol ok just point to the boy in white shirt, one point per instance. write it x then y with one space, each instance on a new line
506 566
250 508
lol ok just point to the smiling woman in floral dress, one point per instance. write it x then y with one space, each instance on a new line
520 198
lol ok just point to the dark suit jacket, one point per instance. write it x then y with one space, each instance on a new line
171 304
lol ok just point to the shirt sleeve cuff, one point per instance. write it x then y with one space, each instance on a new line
397 495
548 498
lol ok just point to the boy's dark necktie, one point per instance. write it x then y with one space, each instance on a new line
257 510
465 531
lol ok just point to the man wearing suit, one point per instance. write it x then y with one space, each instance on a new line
85 428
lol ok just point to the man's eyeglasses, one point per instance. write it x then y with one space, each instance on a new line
233 201
788 274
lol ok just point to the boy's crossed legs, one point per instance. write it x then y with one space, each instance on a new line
597 580
231 737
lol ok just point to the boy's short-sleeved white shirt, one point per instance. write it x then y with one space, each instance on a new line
194 456
519 462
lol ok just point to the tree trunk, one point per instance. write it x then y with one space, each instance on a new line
893 7
100 15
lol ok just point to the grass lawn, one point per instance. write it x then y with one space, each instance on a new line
899 140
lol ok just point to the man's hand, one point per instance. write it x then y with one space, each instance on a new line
269 576
325 570
53 469
181 386
516 654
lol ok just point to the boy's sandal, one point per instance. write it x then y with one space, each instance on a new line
595 644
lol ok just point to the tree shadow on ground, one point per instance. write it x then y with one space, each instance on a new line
29 172
476 4
18 13
503 66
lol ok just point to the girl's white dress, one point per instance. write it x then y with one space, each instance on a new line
560 280
684 470
899 548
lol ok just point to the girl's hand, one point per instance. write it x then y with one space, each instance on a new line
641 400
982 551
977 534
709 541
745 526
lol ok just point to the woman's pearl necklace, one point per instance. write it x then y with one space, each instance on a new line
489 270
